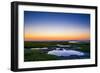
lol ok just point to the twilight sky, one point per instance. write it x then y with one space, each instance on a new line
45 26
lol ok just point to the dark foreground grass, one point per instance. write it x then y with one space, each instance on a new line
37 55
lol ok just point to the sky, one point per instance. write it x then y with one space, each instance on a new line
47 26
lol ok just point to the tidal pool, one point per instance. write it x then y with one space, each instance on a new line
64 52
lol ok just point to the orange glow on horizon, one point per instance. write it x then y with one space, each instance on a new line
30 37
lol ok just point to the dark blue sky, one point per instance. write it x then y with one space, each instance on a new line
35 18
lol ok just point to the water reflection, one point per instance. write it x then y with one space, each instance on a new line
64 52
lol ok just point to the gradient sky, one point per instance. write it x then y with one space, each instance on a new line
45 26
